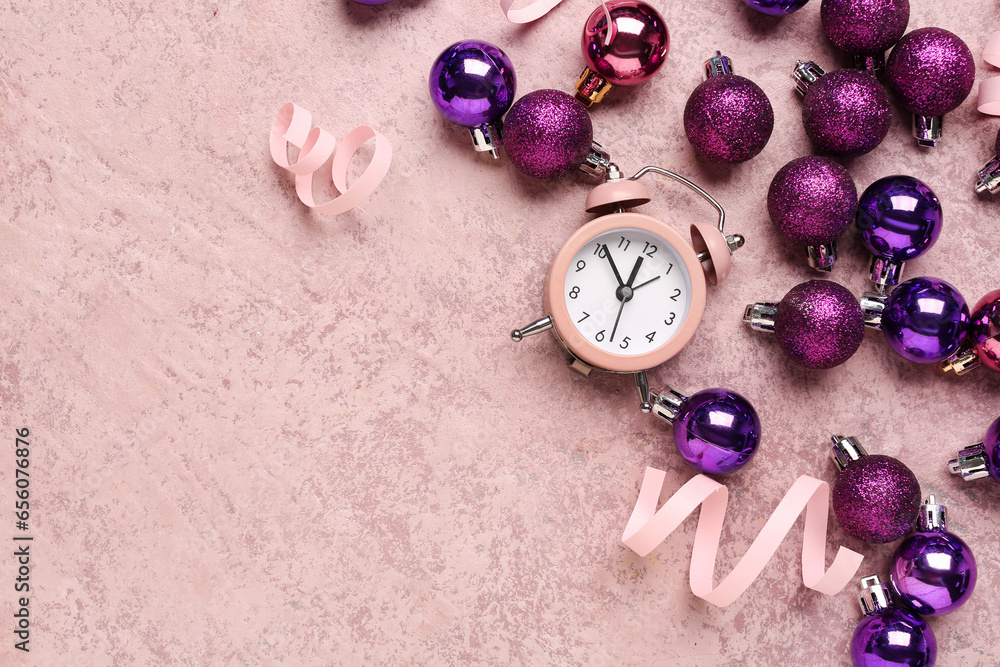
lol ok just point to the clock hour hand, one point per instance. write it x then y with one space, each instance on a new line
607 253
635 272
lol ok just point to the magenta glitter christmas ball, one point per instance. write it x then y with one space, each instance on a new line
819 324
812 200
931 71
865 27
846 113
547 133
728 118
876 499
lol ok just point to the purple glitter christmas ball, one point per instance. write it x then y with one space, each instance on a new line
899 218
876 499
846 113
931 71
639 46
933 572
547 133
819 324
717 431
728 119
812 200
864 27
893 638
925 320
472 83
775 7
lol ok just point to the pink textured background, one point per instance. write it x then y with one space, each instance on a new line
264 437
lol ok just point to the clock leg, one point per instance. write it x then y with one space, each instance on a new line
642 385
536 327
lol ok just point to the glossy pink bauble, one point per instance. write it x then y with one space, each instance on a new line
637 46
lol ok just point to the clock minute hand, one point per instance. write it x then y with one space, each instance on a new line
607 253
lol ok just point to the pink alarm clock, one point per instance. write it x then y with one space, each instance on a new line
626 292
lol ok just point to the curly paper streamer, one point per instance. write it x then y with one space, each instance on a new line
316 145
989 89
647 527
540 8
532 12
989 96
991 53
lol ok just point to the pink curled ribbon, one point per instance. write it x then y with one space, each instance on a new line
647 527
293 125
540 8
989 89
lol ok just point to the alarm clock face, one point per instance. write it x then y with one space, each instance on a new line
626 292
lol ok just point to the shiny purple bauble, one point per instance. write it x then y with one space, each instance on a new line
728 119
775 7
717 431
876 499
984 330
925 320
991 445
893 638
846 113
864 27
930 71
547 134
933 572
899 218
638 47
819 324
472 83
812 200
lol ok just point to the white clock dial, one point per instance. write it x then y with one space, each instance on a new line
627 314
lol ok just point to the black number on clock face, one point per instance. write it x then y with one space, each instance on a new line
599 336
650 250
580 266
599 251
650 336
575 292
585 316
668 270
624 343
677 293
624 241
671 320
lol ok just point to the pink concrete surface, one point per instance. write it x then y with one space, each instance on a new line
265 437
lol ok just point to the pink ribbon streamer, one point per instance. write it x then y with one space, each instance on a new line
293 125
540 8
988 101
532 12
647 527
